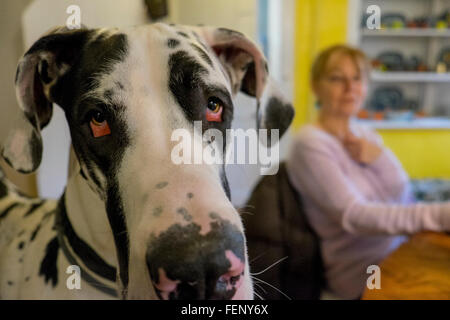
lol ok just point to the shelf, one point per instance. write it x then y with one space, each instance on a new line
425 123
406 32
409 76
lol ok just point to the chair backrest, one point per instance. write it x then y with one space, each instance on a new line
276 227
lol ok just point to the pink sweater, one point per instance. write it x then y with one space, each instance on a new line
358 211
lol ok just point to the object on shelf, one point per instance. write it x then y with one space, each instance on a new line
444 57
378 115
420 114
393 21
419 22
441 67
363 114
445 17
395 61
388 102
387 98
400 115
391 61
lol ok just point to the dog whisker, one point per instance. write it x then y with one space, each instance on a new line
272 286
258 256
260 286
269 267
257 295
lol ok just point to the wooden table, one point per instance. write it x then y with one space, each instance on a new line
418 269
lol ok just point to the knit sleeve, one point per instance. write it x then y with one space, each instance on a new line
314 172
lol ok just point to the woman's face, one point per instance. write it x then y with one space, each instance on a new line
342 88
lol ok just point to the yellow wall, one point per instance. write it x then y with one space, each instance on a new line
321 23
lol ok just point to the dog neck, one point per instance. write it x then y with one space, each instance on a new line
87 214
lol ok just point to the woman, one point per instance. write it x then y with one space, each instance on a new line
355 191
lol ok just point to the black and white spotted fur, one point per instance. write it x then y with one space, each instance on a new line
139 226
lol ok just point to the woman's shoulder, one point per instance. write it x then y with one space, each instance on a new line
311 135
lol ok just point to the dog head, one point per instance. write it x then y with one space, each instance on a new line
123 93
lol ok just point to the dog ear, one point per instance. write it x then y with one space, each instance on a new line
247 69
39 71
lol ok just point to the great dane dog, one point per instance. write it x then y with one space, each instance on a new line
137 225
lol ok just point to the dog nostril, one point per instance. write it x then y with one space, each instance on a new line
229 282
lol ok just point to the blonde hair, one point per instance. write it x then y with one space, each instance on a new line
358 57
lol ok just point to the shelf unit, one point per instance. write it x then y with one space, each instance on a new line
424 123
409 32
430 89
406 76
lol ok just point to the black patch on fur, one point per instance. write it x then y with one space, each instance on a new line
173 43
157 211
49 269
90 258
21 245
202 54
185 77
230 32
114 209
34 208
35 232
183 212
186 255
190 195
10 283
120 85
183 34
3 190
17 74
83 175
38 227
279 115
199 40
162 185
225 185
27 279
108 94
43 74
8 209
92 174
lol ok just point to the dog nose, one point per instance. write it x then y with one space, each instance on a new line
194 266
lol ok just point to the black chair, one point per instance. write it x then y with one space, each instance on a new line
276 227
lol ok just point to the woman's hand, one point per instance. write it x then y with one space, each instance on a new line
361 150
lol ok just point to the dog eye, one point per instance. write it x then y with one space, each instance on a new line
99 125
214 110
